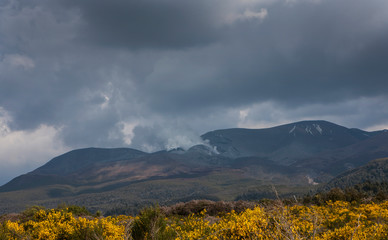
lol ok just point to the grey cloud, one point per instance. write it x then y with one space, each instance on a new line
148 23
311 52
165 63
170 132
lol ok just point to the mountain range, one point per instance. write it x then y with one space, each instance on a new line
231 164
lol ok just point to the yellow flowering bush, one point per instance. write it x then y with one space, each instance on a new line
333 220
194 227
249 224
61 224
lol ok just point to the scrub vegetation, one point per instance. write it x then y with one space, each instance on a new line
365 218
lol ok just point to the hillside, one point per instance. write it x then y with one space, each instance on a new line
336 161
284 144
104 167
231 164
375 171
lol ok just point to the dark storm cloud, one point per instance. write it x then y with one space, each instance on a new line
156 73
302 51
308 52
148 23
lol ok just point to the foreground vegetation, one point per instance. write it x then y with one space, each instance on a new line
274 220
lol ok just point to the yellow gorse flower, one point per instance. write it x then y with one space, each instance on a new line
334 220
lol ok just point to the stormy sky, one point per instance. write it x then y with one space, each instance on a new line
155 74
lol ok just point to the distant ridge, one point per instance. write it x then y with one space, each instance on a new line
231 163
338 160
286 143
79 159
375 171
64 168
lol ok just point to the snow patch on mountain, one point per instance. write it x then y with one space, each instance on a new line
292 130
308 130
319 129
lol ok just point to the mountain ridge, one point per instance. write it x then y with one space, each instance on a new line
234 162
299 139
287 145
375 171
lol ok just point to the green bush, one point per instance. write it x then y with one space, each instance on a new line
151 224
30 213
74 209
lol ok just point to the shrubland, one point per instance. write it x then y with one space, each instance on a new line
339 214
